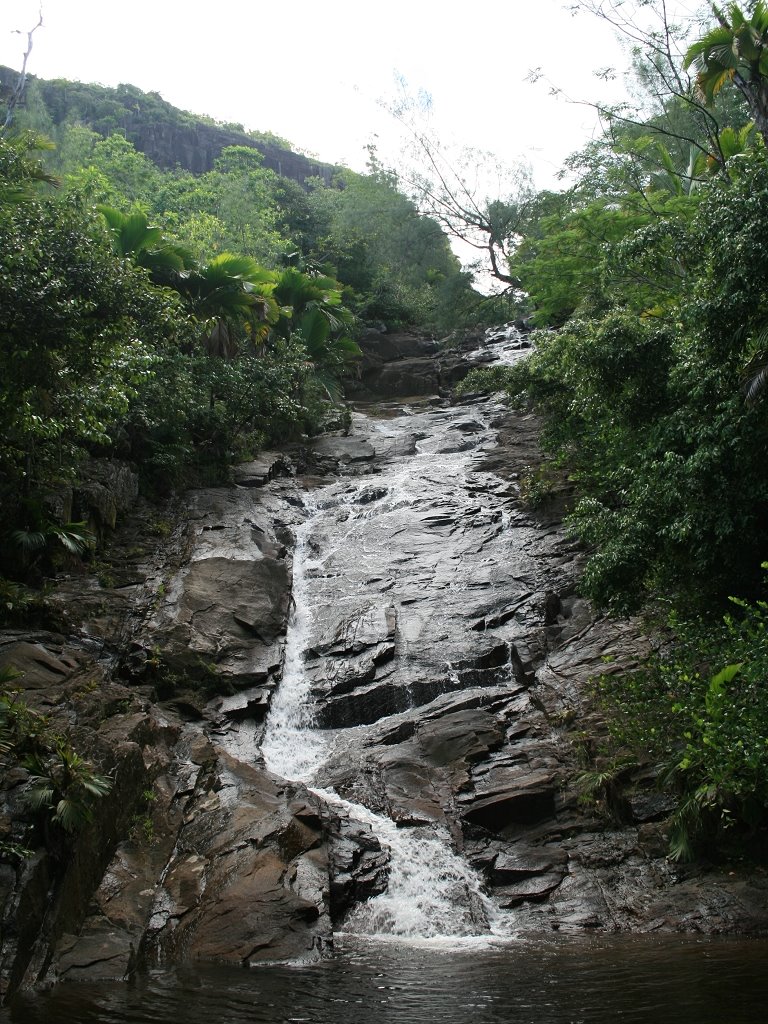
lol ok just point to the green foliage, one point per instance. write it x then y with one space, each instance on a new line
45 538
78 338
20 170
398 265
147 246
485 380
735 52
96 347
23 732
646 406
63 787
699 710
187 319
574 262
15 602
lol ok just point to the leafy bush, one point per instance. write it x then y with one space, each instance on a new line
648 412
485 380
62 786
699 710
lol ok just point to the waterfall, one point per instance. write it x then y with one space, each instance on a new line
432 893
291 748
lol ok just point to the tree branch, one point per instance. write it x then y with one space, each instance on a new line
18 92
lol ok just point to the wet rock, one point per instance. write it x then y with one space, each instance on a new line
445 637
343 449
261 470
462 736
358 865
532 889
372 626
249 878
520 861
224 612
41 666
362 706
246 705
650 806
511 797
108 487
100 953
410 797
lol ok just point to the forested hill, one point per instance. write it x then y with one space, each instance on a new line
168 136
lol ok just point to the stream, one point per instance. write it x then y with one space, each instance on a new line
419 592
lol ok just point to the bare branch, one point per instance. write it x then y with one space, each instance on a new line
450 187
18 92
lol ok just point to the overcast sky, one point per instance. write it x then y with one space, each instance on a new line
316 73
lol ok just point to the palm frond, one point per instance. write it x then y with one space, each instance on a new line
29 541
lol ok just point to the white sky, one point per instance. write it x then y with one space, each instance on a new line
313 72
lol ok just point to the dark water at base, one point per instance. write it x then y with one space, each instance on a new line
570 981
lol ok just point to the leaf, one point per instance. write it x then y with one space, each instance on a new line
725 675
40 794
30 541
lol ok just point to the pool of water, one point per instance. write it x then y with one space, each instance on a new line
578 981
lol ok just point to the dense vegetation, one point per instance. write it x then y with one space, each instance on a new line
652 269
180 321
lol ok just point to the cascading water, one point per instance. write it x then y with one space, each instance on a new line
432 893
291 748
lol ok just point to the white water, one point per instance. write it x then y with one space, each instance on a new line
432 893
291 748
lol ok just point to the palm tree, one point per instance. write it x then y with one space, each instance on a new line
228 291
318 317
64 788
735 52
671 178
20 171
147 246
731 142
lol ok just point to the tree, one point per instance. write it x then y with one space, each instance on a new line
114 172
18 92
147 246
79 334
232 291
64 787
645 403
21 173
472 195
316 315
735 52
231 208
667 107
373 238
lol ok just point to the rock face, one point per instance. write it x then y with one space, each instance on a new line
196 147
403 365
445 661
226 609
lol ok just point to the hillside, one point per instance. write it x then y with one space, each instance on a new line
170 137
